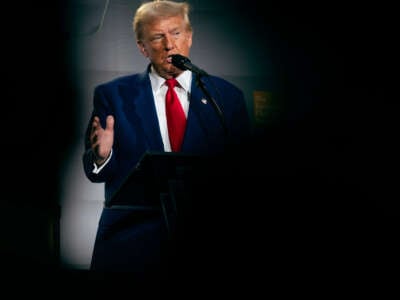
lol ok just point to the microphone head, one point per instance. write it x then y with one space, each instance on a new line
179 61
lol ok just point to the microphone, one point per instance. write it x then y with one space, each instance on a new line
184 63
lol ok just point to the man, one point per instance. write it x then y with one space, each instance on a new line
130 117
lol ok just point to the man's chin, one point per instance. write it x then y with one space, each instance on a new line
170 71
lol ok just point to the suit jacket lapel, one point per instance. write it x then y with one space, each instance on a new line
202 123
140 96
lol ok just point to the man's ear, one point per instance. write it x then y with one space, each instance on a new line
142 48
189 38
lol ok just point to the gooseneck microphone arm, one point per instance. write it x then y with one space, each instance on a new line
184 63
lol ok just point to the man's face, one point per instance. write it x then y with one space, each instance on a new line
163 37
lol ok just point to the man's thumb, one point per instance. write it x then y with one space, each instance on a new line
110 123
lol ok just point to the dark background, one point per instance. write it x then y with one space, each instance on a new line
334 146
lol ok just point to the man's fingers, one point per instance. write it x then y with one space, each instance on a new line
110 123
97 129
93 137
95 124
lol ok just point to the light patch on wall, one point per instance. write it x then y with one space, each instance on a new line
262 101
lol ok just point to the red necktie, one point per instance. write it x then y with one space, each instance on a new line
176 119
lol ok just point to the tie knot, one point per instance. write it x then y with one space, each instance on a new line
171 83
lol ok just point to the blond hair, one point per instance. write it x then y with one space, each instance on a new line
153 10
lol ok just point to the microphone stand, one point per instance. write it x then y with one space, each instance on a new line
218 110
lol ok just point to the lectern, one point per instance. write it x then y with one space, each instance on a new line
197 198
168 182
